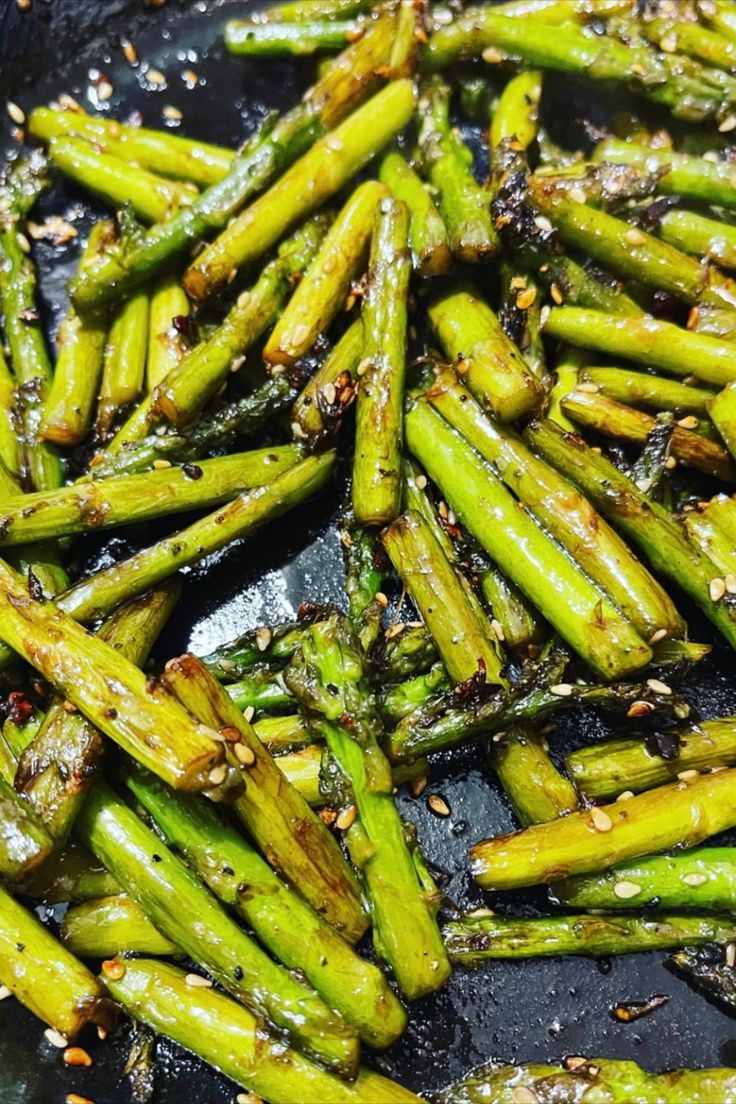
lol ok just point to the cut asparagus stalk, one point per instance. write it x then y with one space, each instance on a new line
520 316
474 940
703 879
670 816
610 768
641 389
128 499
116 182
404 928
514 124
447 161
614 419
167 346
681 174
646 340
25 843
682 37
570 50
379 416
248 38
187 914
101 593
30 955
81 344
58 763
570 364
465 643
124 369
297 935
701 236
322 292
721 512
563 511
713 541
294 839
229 1038
311 181
113 694
722 410
103 928
366 571
629 250
644 522
241 656
427 231
490 364
536 789
283 734
351 77
567 598
597 1077
319 408
521 627
160 151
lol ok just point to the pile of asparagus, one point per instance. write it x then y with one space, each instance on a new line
534 507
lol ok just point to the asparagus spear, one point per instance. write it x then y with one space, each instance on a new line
514 124
116 182
113 694
295 841
102 592
283 734
157 150
614 419
378 426
101 928
187 914
261 690
607 769
474 940
569 49
427 230
642 389
680 173
644 522
320 295
296 934
321 404
536 789
682 37
563 511
25 843
629 250
464 641
708 970
242 655
229 1038
701 236
80 343
722 410
168 314
125 500
350 78
699 879
646 340
241 417
596 1079
561 592
249 38
447 161
521 627
311 181
405 932
491 365
58 763
41 465
30 956
124 368
676 815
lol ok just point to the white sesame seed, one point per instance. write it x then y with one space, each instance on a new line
635 236
543 223
716 589
263 638
561 690
625 795
155 76
419 785
645 484
249 713
218 775
438 805
421 482
244 755
730 581
731 955
601 820
588 387
727 124
626 890
690 422
56 1038
329 392
104 90
173 113
196 981
695 879
160 465
16 113
346 817
658 635
658 686
4 992
685 775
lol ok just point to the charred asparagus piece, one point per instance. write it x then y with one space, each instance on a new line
427 231
168 315
247 38
681 174
536 789
320 406
104 927
641 389
124 369
708 970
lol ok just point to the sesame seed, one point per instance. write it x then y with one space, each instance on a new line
639 709
248 1098
690 422
543 223
155 76
635 237
104 90
16 113
670 463
525 300
497 629
244 755
218 774
731 955
578 194
129 51
658 686
660 634
196 981
716 589
159 465
263 638
23 242
492 56
77 1056
172 113
695 879
68 103
329 393
419 785
438 805
75 1098
421 482
727 124
601 820
381 599
588 387
626 890
481 912
561 690
394 630
114 969
249 713
524 1095
4 992
625 795
574 1061
190 78
346 817
55 1038
556 294
730 581
645 484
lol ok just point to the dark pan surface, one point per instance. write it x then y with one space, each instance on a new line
535 1011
